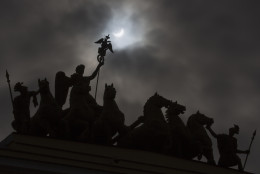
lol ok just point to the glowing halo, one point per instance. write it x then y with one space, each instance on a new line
120 33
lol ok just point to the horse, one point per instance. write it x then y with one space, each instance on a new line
195 124
111 120
45 120
179 132
153 134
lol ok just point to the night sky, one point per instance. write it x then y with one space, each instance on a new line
204 54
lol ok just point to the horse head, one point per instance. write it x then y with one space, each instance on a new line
110 92
158 101
152 108
175 109
43 86
203 119
195 124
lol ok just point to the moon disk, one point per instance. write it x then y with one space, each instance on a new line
120 33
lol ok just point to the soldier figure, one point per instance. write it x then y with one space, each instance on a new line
227 146
21 109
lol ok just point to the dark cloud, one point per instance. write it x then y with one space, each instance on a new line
35 32
202 53
38 38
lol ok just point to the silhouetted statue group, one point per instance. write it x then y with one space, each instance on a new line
86 121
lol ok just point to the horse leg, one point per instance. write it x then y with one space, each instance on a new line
208 153
176 148
85 135
101 133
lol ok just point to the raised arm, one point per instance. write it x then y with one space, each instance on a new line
211 131
34 94
96 71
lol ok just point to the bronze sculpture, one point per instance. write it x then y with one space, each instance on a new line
111 120
46 119
227 146
21 108
105 45
154 134
87 121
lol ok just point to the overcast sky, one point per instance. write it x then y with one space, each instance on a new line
204 54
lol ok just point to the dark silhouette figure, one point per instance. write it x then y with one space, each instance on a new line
195 124
81 115
188 141
111 120
48 115
83 109
178 129
227 146
105 45
21 108
63 83
78 78
86 121
154 134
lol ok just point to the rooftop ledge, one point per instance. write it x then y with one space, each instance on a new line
27 154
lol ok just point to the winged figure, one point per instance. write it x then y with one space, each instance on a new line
62 85
105 45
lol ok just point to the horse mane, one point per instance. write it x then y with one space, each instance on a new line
150 100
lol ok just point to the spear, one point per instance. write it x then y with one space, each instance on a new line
105 45
252 139
9 85
97 85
